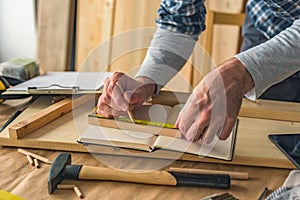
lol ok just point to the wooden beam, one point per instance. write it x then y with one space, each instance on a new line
112 123
45 116
274 110
94 27
229 18
55 28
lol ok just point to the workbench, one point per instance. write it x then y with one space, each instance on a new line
24 180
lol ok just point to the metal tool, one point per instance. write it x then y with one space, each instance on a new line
4 85
62 169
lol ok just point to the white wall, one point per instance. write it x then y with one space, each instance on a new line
17 29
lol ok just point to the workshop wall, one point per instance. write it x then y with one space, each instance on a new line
17 29
97 21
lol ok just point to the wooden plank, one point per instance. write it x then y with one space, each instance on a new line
222 48
230 19
55 27
201 60
252 145
111 123
45 116
128 53
98 20
231 6
128 48
266 109
94 26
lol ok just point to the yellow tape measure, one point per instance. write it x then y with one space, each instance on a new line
138 121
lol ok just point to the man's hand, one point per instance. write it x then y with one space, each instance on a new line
213 106
114 102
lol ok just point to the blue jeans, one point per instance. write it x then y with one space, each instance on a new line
286 90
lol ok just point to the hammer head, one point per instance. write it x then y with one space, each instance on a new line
57 171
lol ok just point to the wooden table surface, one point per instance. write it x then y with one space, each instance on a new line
19 178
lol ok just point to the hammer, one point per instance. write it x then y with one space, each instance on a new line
62 169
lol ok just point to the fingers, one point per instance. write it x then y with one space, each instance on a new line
194 129
116 77
116 92
135 97
178 121
120 94
117 98
194 133
227 128
111 101
105 108
204 130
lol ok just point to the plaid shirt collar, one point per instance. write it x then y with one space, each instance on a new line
270 17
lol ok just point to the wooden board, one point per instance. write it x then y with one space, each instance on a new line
55 28
224 48
94 29
100 20
111 123
45 116
103 41
252 145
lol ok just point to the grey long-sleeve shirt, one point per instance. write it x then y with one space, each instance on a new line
267 63
274 60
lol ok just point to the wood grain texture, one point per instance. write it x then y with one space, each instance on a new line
33 155
107 174
267 109
253 148
55 27
111 123
214 40
94 29
45 116
128 59
130 42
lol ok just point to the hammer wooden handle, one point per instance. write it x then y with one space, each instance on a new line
155 177
107 174
62 169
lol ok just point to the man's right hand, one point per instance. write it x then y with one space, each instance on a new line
114 101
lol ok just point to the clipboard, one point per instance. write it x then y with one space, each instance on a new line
61 83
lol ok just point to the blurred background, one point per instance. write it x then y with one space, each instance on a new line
61 33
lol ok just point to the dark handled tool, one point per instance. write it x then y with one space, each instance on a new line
62 169
12 118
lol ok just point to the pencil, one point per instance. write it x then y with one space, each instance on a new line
129 112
